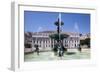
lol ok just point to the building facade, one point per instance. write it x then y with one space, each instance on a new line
43 40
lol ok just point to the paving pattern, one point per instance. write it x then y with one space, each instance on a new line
46 56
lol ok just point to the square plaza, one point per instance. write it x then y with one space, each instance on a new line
56 40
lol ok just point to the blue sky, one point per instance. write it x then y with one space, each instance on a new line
43 21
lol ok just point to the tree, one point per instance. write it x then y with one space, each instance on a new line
28 40
27 45
37 48
85 42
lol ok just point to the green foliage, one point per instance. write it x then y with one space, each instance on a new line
35 45
85 42
27 45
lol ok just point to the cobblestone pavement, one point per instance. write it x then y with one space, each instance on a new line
46 56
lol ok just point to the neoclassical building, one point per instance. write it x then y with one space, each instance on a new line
43 40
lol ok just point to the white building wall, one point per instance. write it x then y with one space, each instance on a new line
45 42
